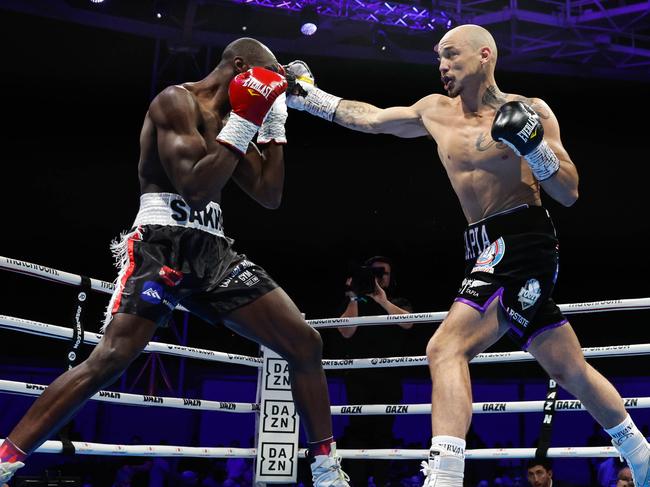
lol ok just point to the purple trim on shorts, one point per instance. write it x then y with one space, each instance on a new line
477 307
513 326
541 330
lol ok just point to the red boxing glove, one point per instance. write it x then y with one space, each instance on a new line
252 94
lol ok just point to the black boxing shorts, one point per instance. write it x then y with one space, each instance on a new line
513 256
174 255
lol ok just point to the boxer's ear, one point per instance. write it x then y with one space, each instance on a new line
240 65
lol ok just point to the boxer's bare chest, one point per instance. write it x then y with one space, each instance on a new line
465 144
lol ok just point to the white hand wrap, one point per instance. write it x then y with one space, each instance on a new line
317 102
272 129
543 162
237 133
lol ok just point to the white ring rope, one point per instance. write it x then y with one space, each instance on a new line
482 358
478 407
437 316
83 448
485 454
55 275
59 332
25 388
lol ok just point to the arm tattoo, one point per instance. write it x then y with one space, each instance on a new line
354 114
541 111
494 98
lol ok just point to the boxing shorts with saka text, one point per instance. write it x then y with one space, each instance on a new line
175 255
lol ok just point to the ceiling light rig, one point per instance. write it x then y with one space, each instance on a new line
414 17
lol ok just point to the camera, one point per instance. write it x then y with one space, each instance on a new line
363 279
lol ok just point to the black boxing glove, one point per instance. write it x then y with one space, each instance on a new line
518 126
302 93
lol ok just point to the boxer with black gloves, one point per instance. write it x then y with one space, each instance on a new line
498 150
177 253
519 127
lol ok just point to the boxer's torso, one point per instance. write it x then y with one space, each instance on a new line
487 176
151 172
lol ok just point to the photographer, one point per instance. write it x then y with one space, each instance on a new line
370 292
369 285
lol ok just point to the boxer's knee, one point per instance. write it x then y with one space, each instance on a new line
106 363
570 373
444 347
304 348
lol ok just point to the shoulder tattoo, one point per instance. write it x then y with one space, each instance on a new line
539 109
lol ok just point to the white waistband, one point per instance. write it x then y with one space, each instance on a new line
171 209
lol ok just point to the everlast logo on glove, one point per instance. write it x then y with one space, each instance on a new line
255 84
528 132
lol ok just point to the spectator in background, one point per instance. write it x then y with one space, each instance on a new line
160 472
215 477
624 478
597 438
133 473
380 386
238 470
608 471
540 474
189 478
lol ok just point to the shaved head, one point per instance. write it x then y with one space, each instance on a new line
249 50
474 36
468 57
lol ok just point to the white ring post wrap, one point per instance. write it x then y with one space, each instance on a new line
237 133
321 104
279 424
543 162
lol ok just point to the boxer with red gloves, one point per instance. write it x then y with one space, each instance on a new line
197 136
252 94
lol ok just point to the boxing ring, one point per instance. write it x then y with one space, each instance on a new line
48 330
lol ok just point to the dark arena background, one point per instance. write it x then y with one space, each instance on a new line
77 78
